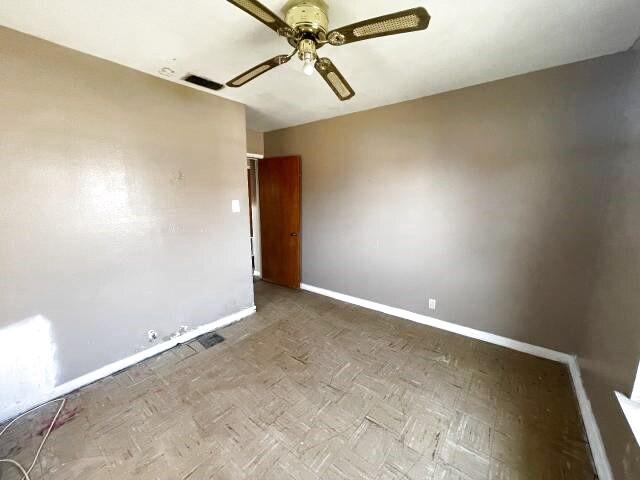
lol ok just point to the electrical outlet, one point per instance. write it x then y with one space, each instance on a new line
432 304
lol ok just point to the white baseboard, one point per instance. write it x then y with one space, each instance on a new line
114 367
600 460
603 468
442 325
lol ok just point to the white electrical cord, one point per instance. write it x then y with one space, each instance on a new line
17 465
25 473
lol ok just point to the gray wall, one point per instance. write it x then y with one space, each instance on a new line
610 350
115 209
484 198
490 199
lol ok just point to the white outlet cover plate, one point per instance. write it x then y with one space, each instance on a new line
432 304
235 206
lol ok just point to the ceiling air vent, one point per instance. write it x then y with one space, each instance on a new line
203 82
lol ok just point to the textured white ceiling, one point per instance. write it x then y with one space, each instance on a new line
467 43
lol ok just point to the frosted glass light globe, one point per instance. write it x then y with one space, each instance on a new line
308 67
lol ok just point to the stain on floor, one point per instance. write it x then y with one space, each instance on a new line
66 415
312 388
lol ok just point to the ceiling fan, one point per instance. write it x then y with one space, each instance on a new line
306 28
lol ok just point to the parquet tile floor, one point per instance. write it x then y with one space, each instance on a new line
311 388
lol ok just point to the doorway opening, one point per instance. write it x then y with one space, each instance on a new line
254 214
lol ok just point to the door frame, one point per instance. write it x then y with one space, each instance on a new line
255 215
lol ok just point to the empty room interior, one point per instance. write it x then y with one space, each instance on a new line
319 240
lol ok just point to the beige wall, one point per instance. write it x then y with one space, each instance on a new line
255 142
489 199
115 211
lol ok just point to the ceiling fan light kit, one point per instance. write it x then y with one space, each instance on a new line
306 28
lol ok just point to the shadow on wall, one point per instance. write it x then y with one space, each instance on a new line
525 246
609 348
580 262
27 363
578 137
570 226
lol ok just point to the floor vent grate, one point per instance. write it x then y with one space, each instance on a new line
209 340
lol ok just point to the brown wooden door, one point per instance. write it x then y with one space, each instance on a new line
279 191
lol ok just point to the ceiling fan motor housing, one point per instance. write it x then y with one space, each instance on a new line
308 16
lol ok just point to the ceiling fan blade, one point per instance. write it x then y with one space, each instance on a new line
266 16
334 78
410 20
258 70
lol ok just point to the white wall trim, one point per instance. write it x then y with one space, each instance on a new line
114 367
598 452
258 156
603 468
